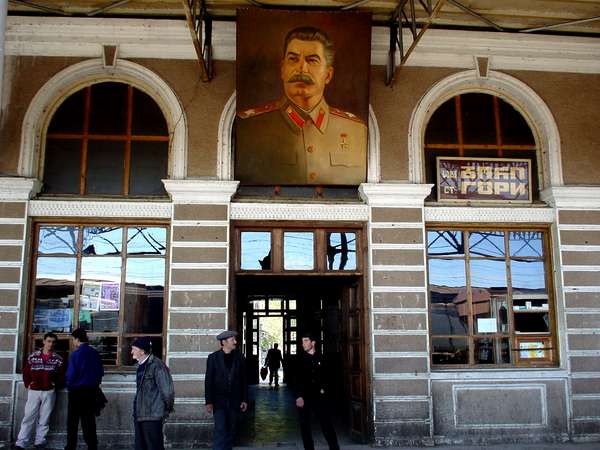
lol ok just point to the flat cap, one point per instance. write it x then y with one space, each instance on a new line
226 335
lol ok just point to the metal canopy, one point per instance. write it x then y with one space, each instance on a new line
571 17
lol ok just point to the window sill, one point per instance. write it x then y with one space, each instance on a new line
512 373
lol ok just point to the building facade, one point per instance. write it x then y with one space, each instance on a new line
465 321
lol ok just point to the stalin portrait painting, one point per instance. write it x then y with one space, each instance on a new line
301 138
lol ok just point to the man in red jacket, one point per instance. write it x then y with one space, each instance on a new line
43 373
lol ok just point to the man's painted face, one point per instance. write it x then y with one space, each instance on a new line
307 344
304 71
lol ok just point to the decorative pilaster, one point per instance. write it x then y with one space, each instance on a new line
198 296
398 308
578 241
14 196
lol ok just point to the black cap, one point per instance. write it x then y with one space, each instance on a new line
226 335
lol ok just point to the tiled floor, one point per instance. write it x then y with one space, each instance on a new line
272 421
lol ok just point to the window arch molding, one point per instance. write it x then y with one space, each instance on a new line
70 80
225 150
518 94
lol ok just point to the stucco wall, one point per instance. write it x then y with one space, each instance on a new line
572 98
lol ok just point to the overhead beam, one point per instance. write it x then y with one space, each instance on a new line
195 14
107 7
396 28
475 14
41 7
559 25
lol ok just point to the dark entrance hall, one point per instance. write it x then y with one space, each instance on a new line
330 307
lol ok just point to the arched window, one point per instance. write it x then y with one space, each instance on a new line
107 139
478 125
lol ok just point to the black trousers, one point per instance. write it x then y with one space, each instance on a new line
274 375
320 407
149 435
82 405
225 416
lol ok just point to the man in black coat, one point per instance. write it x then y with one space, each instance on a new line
225 389
273 362
311 394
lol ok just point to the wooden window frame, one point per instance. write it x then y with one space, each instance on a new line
320 247
120 334
550 338
85 137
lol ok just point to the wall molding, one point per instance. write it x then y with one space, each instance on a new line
572 197
13 188
493 215
100 209
68 81
394 194
169 39
307 211
200 191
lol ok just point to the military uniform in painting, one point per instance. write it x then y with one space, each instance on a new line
279 143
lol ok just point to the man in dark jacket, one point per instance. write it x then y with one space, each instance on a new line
154 396
43 373
225 389
311 394
273 362
83 379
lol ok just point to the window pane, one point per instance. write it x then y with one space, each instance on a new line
486 243
149 162
478 119
298 250
126 358
484 351
147 117
68 118
102 241
490 307
107 347
441 128
447 273
450 350
144 295
274 305
526 243
100 294
445 243
62 166
58 239
256 250
528 276
341 251
105 167
108 114
54 294
531 322
488 273
515 129
146 240
449 317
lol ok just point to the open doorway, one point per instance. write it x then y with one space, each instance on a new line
279 309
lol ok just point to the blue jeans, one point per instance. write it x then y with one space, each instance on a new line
225 417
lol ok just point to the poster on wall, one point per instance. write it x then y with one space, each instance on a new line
461 179
302 97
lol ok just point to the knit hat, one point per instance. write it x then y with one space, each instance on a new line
143 343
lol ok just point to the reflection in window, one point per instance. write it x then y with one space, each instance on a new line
341 251
477 314
298 250
256 250
57 239
120 277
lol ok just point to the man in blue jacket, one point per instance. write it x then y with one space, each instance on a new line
83 379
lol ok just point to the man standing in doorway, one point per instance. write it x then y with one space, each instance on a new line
273 362
154 396
311 394
43 373
225 389
84 376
